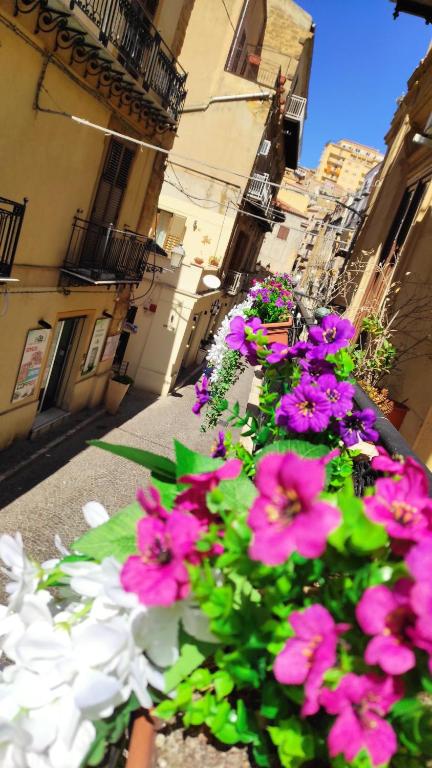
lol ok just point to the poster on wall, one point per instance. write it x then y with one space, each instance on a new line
31 364
94 353
110 347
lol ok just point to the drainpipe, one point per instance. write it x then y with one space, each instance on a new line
261 96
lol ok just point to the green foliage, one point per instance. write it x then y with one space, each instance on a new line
160 466
357 534
110 731
230 371
116 537
190 462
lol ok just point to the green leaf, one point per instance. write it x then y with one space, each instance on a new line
356 532
301 447
237 495
160 466
294 742
168 492
116 537
223 684
191 463
192 654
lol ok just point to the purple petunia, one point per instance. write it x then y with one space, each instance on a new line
331 335
358 426
288 514
278 352
219 449
237 338
202 394
305 409
339 394
360 702
309 654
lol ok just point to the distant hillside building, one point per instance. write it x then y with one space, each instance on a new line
346 163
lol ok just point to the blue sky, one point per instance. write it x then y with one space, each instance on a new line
362 61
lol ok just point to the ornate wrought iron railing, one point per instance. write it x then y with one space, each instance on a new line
100 253
11 219
140 48
235 282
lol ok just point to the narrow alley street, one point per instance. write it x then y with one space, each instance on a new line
45 498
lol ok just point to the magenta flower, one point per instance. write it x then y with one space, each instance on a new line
419 562
288 515
388 616
331 335
300 349
385 463
305 408
202 394
150 501
358 426
316 367
339 394
360 702
237 337
278 352
219 449
402 507
158 575
194 499
308 655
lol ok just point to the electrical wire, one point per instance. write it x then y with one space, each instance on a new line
229 17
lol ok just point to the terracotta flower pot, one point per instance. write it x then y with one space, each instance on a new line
141 744
278 331
114 395
397 414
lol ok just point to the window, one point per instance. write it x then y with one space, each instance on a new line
170 229
402 223
282 233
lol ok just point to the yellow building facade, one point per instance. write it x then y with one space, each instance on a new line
76 203
392 258
248 64
346 163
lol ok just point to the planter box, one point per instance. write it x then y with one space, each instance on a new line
278 331
397 414
114 395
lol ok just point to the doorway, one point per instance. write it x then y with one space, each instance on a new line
59 355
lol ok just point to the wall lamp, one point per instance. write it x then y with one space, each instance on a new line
45 324
107 314
176 257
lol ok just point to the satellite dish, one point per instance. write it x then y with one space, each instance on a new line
211 281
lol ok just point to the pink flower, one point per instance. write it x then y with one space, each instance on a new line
384 463
388 615
193 499
150 501
402 507
361 701
419 562
158 575
308 655
288 516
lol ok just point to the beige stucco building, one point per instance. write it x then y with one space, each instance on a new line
346 163
249 64
76 204
392 257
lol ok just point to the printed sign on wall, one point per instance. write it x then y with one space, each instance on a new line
94 353
31 364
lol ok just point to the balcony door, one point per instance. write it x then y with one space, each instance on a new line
106 206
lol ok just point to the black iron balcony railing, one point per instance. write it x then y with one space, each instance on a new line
140 48
11 219
99 253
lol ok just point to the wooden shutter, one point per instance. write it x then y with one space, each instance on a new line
113 182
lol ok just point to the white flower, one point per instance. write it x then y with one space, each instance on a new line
94 514
23 573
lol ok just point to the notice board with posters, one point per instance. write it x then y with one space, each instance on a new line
31 364
111 347
97 342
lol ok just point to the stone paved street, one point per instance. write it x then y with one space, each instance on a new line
46 496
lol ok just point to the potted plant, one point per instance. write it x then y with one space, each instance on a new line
198 260
214 261
272 303
116 390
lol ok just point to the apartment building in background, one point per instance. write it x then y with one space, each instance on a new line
346 163
248 64
391 257
76 203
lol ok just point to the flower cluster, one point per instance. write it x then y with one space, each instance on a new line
272 299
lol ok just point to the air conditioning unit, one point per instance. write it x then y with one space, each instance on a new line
265 147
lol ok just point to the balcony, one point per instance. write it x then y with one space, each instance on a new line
115 47
294 117
259 191
248 62
99 254
11 219
235 282
422 8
